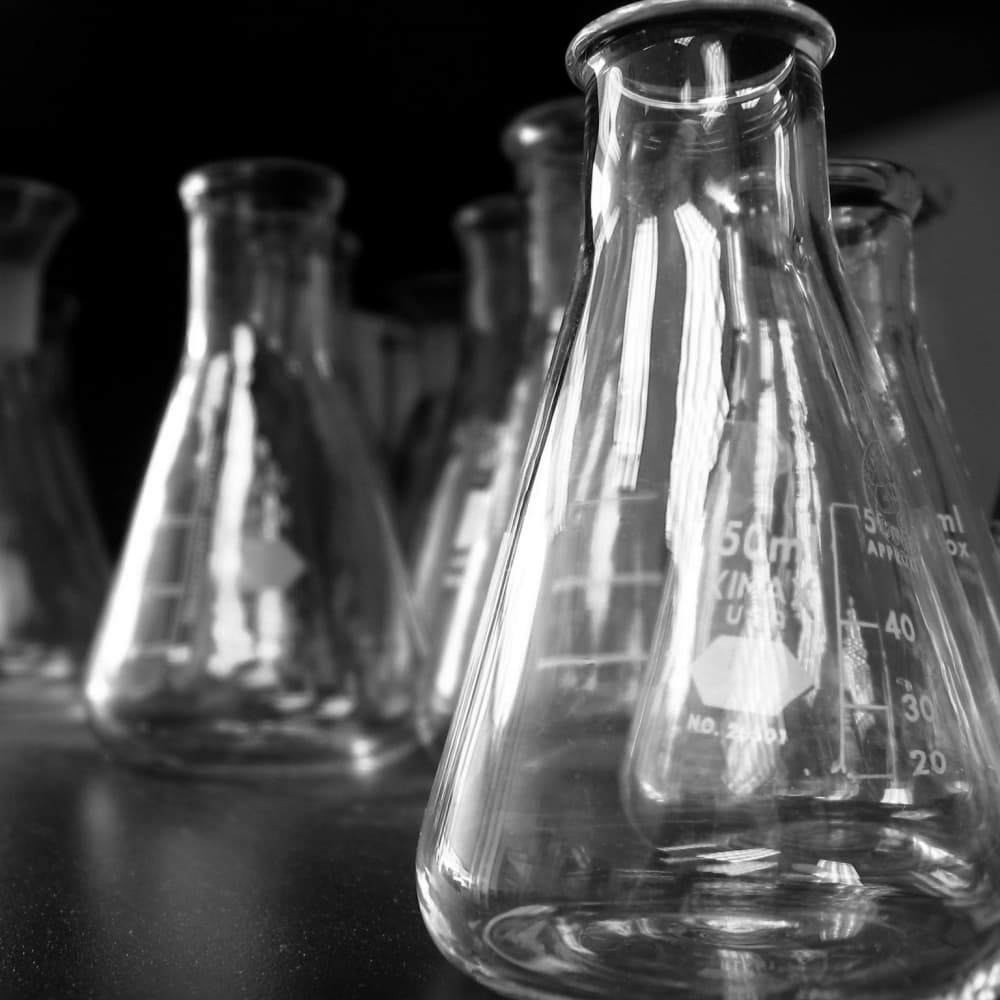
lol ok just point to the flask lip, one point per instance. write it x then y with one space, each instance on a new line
804 28
553 128
275 184
859 182
33 216
492 211
27 201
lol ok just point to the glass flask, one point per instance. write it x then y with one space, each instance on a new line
260 618
876 204
477 480
54 565
545 145
728 731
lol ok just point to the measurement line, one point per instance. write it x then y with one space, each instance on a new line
842 699
157 591
618 498
861 624
170 650
175 521
619 579
599 660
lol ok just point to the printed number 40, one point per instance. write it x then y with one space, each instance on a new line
900 626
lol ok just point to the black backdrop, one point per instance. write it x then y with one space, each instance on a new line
116 101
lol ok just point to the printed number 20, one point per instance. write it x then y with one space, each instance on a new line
928 762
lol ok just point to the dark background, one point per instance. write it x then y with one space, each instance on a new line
406 101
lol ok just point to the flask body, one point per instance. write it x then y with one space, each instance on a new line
260 617
723 700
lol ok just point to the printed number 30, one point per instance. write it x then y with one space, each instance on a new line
914 709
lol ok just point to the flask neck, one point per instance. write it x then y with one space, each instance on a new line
876 247
33 218
491 239
552 194
269 270
545 145
701 128
20 299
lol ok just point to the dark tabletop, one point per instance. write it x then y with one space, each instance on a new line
115 883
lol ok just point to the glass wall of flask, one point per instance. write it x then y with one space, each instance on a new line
260 617
876 205
54 566
545 146
477 478
730 730
425 347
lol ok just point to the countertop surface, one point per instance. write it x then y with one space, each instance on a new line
116 883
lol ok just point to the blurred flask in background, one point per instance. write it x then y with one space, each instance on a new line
875 206
544 144
54 566
260 619
477 481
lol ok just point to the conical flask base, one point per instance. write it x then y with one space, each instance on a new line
283 748
760 940
39 682
727 921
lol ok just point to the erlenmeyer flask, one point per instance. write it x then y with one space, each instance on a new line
260 616
545 146
476 483
54 566
876 204
780 780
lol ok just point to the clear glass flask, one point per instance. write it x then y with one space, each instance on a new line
876 204
54 565
260 618
477 479
545 146
728 732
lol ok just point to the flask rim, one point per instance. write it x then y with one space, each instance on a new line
858 181
552 128
274 183
492 211
24 200
805 29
